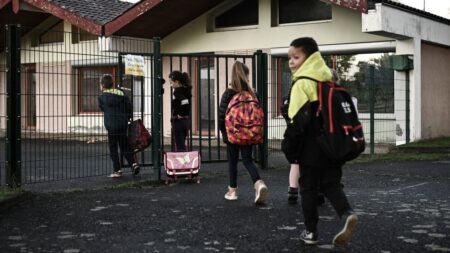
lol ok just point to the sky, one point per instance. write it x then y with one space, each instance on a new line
437 7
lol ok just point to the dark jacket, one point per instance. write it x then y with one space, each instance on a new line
300 138
117 110
224 101
181 102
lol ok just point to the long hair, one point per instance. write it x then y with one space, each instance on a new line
183 78
239 78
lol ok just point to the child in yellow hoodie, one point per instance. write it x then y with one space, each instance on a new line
300 145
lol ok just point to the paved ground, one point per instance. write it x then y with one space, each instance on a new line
403 207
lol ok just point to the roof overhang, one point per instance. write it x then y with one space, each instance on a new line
358 5
151 18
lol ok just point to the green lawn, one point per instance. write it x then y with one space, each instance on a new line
426 150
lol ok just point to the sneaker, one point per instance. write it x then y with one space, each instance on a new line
343 237
292 196
309 238
116 174
136 169
260 192
231 194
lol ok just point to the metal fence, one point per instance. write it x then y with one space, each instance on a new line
52 129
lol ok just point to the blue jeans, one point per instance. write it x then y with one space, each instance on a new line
233 158
181 129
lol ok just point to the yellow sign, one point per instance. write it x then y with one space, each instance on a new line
134 65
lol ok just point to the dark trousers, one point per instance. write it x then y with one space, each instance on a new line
233 158
328 180
116 141
181 129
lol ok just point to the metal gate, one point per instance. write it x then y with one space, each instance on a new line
52 128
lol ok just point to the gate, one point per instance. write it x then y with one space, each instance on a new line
53 129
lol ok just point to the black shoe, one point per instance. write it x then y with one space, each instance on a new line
320 199
292 196
136 169
350 222
309 238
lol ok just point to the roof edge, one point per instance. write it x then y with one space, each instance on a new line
3 3
411 10
66 15
129 15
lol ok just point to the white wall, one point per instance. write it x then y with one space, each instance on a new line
410 30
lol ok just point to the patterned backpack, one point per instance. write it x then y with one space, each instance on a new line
244 120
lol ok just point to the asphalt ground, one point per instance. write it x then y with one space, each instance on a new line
402 207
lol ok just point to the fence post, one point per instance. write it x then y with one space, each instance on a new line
13 121
407 130
157 108
261 87
371 81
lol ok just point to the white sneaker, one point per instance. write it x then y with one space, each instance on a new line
261 192
231 194
116 174
343 237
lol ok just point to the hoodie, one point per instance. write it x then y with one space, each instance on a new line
117 110
299 143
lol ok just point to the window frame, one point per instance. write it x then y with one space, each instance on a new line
275 16
79 70
224 9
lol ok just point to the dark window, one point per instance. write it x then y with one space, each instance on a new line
89 87
243 14
79 34
291 11
283 81
53 35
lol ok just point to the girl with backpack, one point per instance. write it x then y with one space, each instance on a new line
181 107
239 86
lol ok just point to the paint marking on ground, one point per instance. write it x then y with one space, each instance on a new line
408 187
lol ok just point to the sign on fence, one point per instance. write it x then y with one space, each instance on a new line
134 65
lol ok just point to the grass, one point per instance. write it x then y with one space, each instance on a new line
424 150
6 192
443 142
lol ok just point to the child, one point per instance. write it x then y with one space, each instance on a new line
239 83
117 111
181 107
300 143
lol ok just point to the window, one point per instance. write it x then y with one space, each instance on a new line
79 34
54 34
89 87
353 73
290 11
244 13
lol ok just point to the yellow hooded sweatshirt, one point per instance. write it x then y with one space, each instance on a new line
305 90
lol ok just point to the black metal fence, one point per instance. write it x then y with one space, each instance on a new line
51 127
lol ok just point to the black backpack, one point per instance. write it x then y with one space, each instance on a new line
341 137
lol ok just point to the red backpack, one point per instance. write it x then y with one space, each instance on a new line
138 136
244 120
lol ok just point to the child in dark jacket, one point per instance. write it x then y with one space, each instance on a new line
301 146
117 110
181 107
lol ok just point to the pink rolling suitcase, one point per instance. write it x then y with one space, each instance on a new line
182 165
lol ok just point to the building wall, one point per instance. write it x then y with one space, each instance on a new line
435 91
266 36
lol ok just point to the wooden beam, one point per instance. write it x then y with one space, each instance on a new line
130 15
359 5
3 3
15 6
